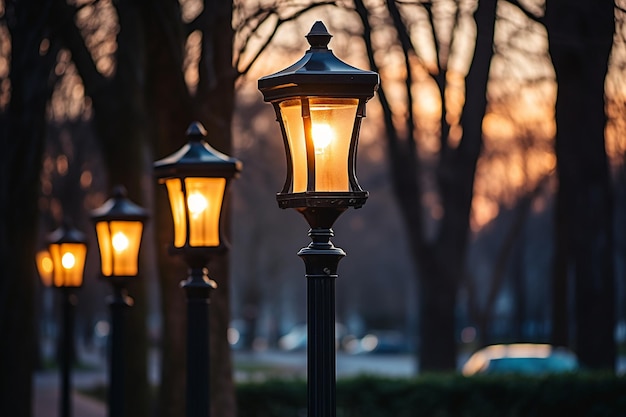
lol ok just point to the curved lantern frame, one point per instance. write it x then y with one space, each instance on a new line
119 219
67 247
320 86
197 177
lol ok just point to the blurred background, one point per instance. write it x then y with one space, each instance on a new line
493 154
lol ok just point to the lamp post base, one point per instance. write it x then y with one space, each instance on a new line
198 288
321 259
119 302
67 351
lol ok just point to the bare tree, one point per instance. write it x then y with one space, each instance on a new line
139 80
437 228
439 254
581 38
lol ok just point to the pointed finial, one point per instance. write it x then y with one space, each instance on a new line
318 37
196 131
119 191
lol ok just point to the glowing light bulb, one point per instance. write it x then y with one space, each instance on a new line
68 260
120 242
322 134
197 203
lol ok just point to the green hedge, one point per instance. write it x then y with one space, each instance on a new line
584 395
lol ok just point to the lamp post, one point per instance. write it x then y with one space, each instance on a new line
196 178
119 227
319 103
67 249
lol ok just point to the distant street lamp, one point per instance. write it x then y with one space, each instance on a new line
67 250
119 227
196 178
319 103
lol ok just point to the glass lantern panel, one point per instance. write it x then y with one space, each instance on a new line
332 122
291 111
204 204
119 247
177 205
69 264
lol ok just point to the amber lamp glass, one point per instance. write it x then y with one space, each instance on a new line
198 203
196 178
119 227
68 250
45 267
326 135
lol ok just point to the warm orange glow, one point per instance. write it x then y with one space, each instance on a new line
45 267
332 121
484 210
193 53
119 243
177 205
204 205
69 263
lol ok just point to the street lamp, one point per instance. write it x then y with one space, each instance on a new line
196 178
319 103
119 227
67 249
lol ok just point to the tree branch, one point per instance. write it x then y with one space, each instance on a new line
71 37
508 243
408 50
266 14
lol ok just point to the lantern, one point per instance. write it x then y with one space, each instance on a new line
196 178
68 250
319 103
119 227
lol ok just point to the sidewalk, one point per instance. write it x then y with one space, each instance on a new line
46 394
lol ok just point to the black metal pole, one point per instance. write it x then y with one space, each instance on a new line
118 304
67 351
198 288
321 259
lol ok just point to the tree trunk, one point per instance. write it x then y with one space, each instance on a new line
581 37
456 182
560 335
22 132
437 303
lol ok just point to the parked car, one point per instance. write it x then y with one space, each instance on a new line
378 341
521 358
296 338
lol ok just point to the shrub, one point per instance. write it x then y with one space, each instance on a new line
572 395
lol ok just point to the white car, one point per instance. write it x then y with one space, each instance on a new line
521 358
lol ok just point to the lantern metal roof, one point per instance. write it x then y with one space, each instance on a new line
66 233
119 208
197 159
319 73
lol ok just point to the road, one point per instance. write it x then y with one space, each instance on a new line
293 364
